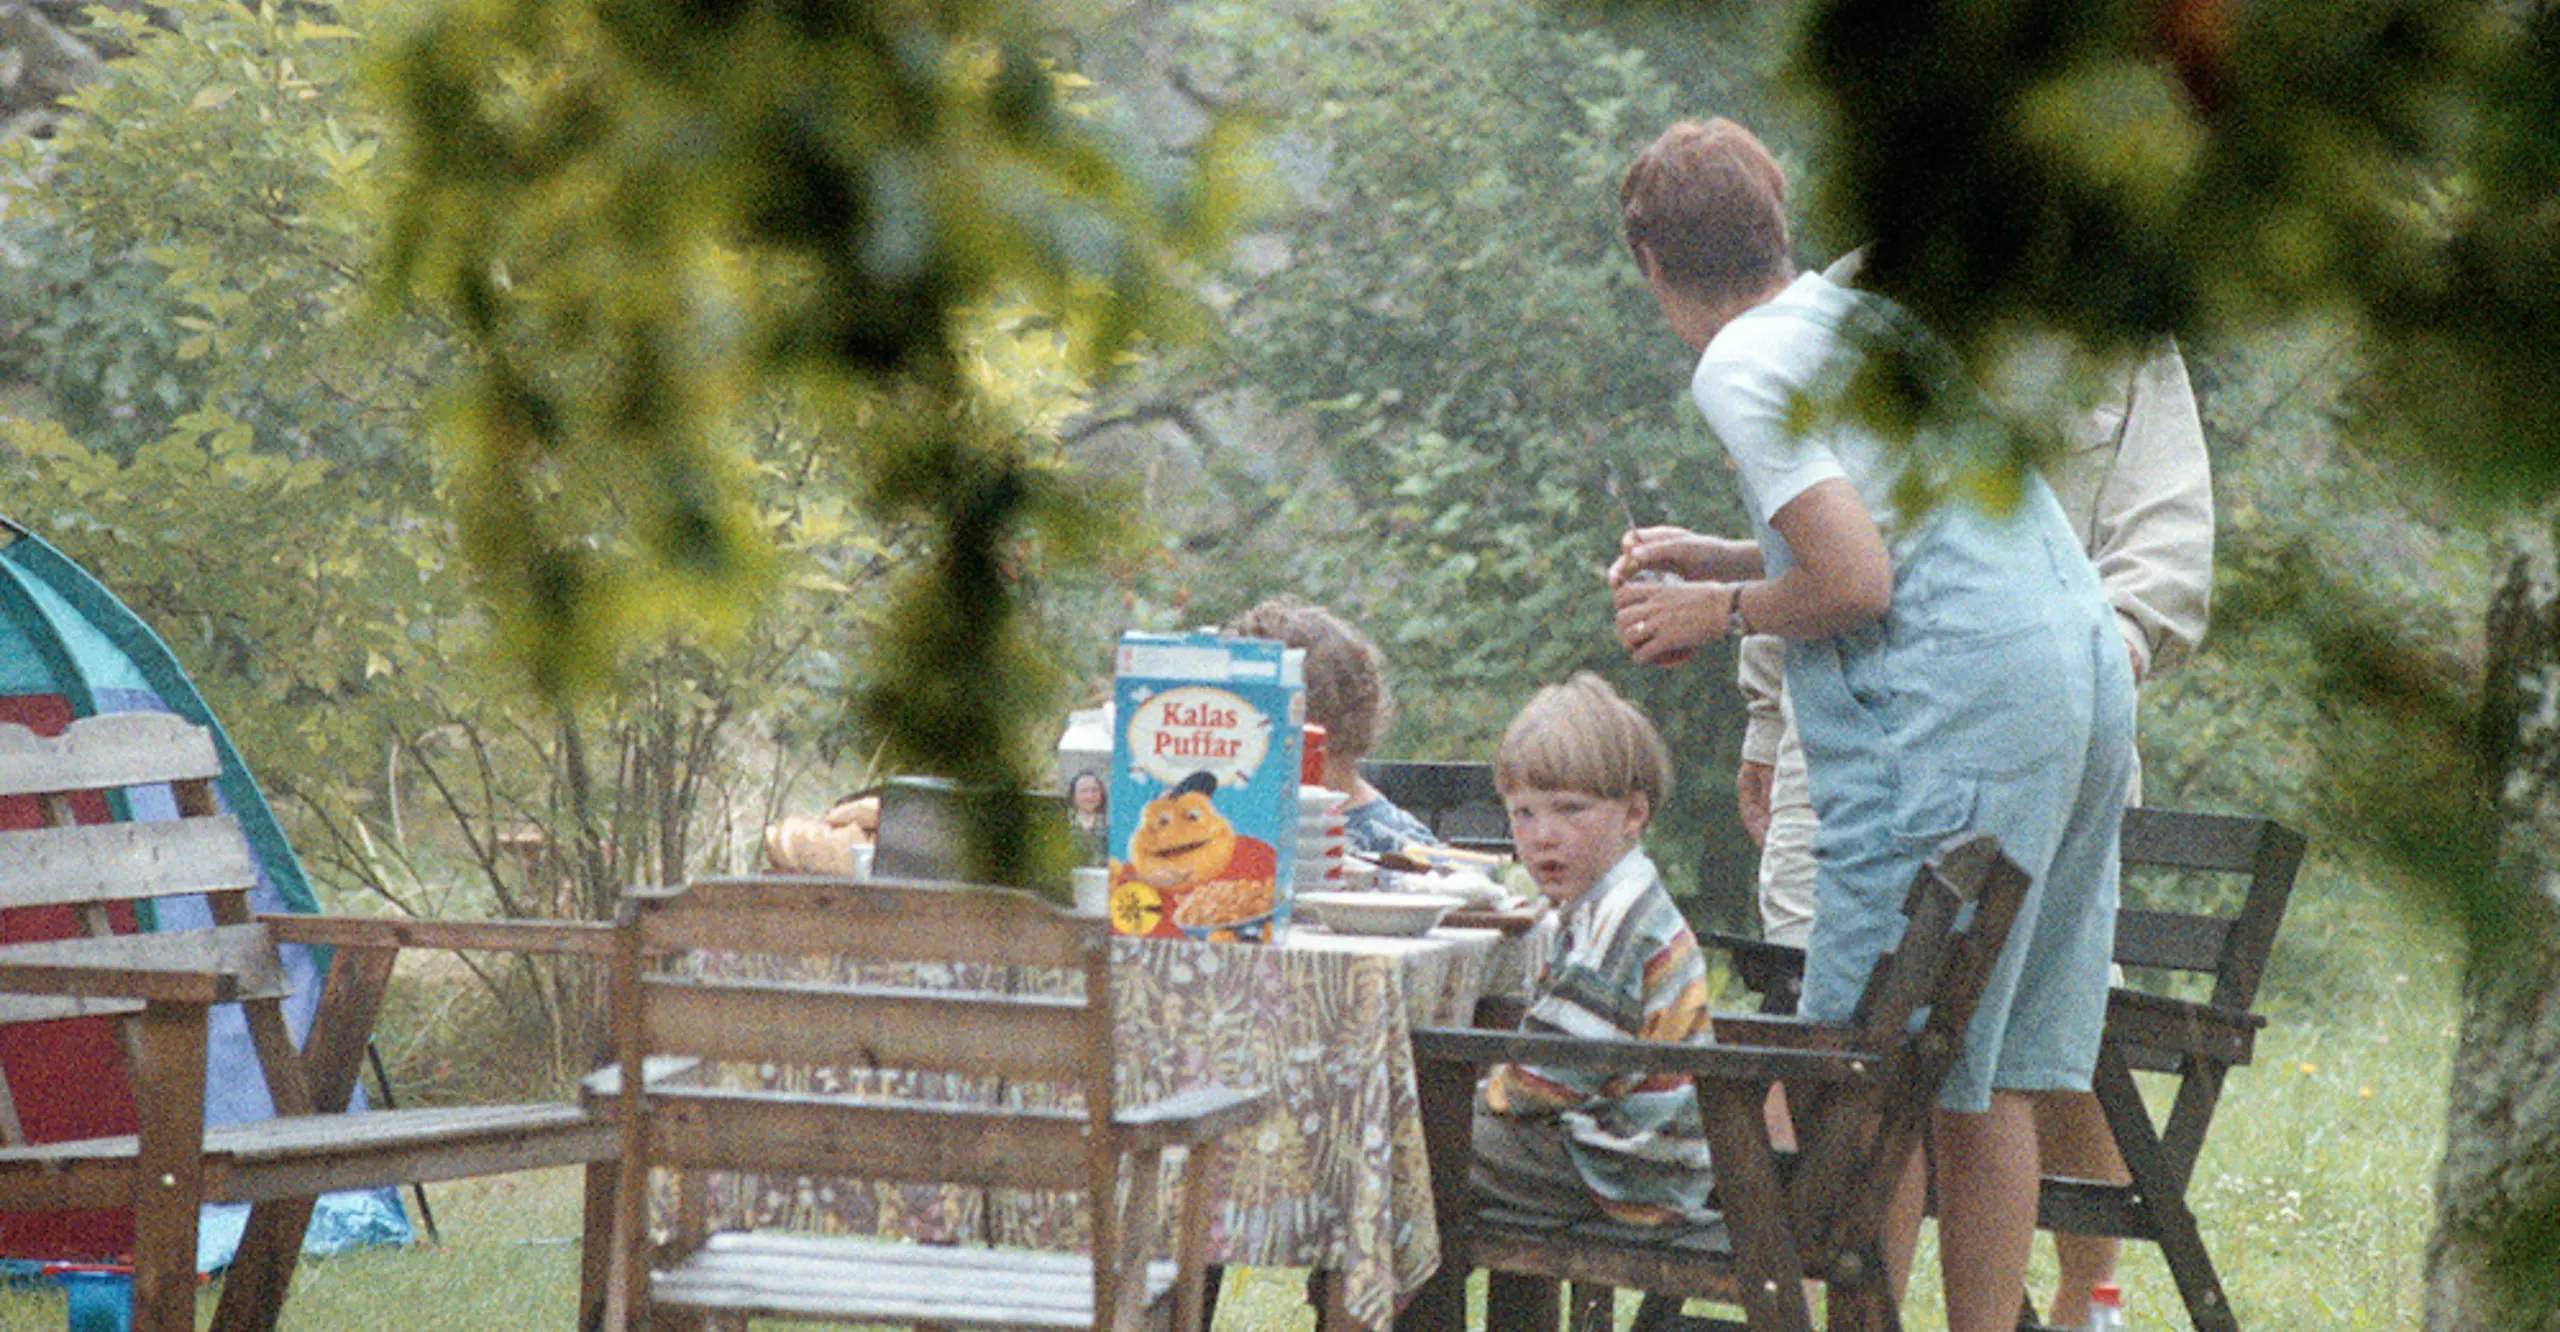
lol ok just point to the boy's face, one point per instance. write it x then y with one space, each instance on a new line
1568 839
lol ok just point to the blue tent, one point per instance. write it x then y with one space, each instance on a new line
69 648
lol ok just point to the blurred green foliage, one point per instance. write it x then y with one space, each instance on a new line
643 213
216 413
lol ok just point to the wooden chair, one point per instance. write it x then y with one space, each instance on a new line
2196 1042
670 1017
1860 1094
1457 801
159 989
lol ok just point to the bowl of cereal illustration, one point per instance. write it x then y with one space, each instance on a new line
1227 911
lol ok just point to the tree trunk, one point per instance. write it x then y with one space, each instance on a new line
2495 1259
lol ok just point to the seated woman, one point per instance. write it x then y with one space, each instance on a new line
1347 695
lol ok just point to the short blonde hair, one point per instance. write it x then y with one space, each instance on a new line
1582 736
1709 204
1347 691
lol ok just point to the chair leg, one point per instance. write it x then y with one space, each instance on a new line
168 1041
2160 1190
1595 1307
595 1248
2191 1266
1657 1313
261 1273
1516 1303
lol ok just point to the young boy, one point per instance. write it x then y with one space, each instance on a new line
1581 772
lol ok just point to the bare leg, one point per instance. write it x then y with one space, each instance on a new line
2073 1139
1986 1211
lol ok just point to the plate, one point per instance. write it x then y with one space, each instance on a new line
1397 914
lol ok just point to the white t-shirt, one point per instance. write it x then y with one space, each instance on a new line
1751 386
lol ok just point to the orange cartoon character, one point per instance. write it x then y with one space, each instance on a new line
1188 864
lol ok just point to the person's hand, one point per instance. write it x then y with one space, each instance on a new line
1660 624
1751 783
1673 550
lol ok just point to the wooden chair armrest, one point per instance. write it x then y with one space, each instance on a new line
567 937
1186 1117
2166 1026
1719 1062
223 964
1781 1030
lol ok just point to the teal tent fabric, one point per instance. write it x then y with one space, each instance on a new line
69 648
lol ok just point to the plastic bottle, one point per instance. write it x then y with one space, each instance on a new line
2106 1308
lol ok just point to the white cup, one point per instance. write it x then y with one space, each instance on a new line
860 854
1093 889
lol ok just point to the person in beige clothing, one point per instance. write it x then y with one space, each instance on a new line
2135 485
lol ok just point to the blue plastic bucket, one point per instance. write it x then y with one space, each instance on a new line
96 1299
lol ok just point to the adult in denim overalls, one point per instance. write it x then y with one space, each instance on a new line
1953 670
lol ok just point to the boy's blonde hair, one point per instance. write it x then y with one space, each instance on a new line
1347 691
1582 736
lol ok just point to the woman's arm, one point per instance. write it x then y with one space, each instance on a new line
1842 578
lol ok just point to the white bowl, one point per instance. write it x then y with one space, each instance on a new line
1378 913
1315 800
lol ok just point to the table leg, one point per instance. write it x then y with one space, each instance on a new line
1516 1303
1447 1092
1324 1291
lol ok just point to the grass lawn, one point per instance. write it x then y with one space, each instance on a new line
2315 1194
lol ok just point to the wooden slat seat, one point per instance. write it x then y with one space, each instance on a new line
686 1105
161 987
842 1278
1859 1093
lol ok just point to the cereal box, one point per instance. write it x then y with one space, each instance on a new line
1204 786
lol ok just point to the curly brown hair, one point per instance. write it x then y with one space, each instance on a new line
1347 691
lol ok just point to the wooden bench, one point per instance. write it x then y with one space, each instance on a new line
159 988
1058 1127
2194 1041
1860 1094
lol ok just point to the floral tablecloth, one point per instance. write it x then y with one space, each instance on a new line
1334 1177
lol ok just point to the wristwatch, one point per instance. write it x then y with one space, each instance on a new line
1735 626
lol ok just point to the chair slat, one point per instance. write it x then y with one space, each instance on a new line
2184 839
1028 1037
2169 939
789 1133
124 862
785 1276
866 920
218 965
118 750
19 1008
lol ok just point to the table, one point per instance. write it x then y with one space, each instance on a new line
1334 1178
